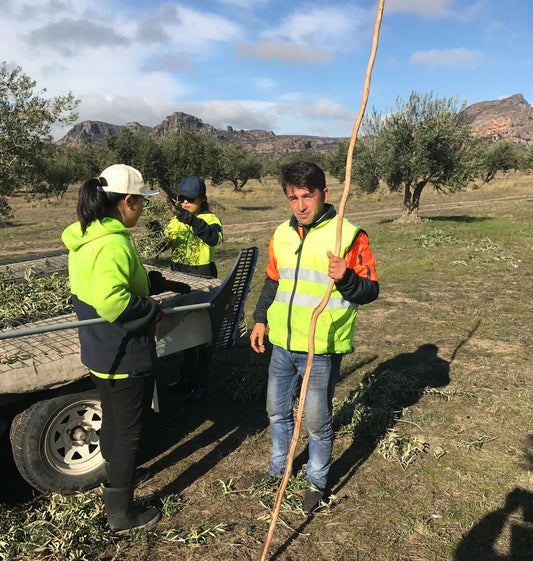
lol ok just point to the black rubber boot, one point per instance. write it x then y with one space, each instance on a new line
141 474
121 515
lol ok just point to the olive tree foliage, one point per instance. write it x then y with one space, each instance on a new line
134 148
59 168
503 155
238 165
426 140
365 172
527 162
188 153
26 120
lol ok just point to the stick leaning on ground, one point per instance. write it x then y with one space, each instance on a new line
325 299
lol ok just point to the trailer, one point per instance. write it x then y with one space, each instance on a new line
53 419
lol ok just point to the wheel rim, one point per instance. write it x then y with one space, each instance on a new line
72 442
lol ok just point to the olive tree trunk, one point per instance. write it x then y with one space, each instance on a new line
411 202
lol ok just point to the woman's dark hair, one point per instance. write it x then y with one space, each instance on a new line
94 203
204 207
303 174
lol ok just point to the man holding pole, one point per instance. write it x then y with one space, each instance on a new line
301 263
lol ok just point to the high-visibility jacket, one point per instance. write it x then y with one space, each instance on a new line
108 280
302 265
188 248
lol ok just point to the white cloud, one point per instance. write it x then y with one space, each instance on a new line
436 9
460 58
326 109
282 51
330 27
196 28
428 9
69 36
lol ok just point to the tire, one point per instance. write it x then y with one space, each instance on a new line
56 445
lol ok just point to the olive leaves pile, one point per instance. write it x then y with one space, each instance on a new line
34 298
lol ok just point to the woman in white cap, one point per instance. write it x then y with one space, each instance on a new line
108 280
193 233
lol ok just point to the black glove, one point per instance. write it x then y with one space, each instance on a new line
175 286
157 282
185 216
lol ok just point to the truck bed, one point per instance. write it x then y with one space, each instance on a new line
48 360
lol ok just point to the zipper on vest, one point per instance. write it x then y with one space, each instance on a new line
291 299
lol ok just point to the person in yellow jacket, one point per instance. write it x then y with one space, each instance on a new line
301 263
193 233
108 280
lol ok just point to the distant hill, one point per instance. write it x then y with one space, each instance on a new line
259 141
92 131
510 118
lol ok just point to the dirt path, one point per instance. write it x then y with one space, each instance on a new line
388 212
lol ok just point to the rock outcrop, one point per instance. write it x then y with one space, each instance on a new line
510 118
93 131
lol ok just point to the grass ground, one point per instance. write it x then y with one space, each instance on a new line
434 452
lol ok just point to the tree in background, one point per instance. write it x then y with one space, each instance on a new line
365 172
134 148
425 141
59 168
188 153
26 120
501 156
238 165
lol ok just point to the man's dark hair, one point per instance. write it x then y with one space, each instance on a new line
303 174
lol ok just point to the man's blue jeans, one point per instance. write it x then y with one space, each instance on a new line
284 380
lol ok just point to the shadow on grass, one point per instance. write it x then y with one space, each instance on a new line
377 404
211 428
480 543
253 208
464 218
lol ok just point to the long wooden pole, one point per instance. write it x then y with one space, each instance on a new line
325 299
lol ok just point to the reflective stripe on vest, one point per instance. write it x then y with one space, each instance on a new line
303 281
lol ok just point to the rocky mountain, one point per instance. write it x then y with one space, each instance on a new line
258 140
92 131
510 118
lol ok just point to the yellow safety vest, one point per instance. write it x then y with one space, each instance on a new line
303 279
187 248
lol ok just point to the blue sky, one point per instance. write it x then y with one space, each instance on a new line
290 66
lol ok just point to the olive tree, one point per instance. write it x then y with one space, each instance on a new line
365 172
26 120
188 153
238 165
424 141
501 156
59 168
138 149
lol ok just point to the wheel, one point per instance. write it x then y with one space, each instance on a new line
56 445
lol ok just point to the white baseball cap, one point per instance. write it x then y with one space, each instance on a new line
120 178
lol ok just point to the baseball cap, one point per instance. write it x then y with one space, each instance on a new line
192 187
120 178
